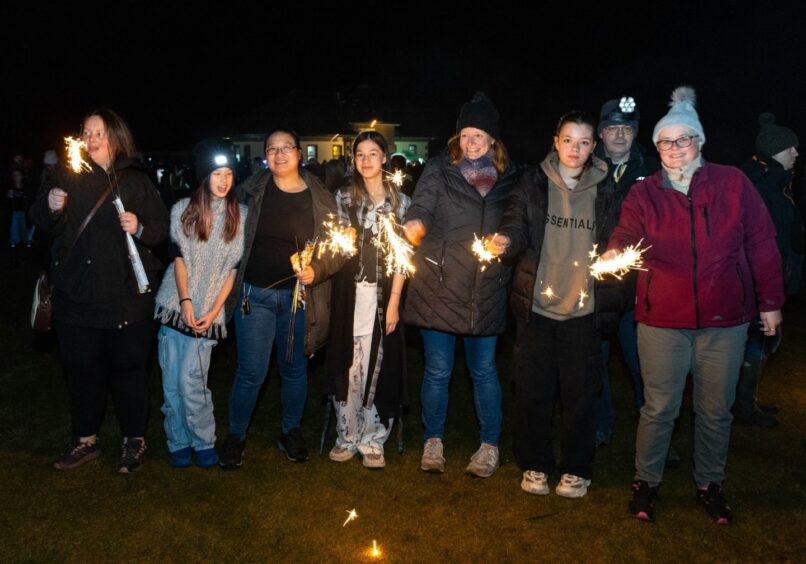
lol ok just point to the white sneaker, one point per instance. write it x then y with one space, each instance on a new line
535 482
341 453
572 486
373 460
484 461
432 460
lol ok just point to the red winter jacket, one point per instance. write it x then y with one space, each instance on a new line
713 261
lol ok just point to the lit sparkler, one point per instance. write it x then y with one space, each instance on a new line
631 258
351 516
396 249
395 177
299 261
582 295
549 293
338 240
77 162
375 551
482 248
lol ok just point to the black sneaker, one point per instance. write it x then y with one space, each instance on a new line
232 450
133 455
715 504
642 504
77 454
293 445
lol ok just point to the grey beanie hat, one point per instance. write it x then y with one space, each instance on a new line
772 138
682 112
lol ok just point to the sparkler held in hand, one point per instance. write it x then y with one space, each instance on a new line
338 240
397 251
74 148
484 250
618 264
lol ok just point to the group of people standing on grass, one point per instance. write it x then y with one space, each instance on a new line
712 271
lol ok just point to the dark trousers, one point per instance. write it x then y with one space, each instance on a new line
557 359
100 360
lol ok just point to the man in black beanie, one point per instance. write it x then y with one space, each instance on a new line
771 171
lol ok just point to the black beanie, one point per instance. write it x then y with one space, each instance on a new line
210 155
480 113
771 138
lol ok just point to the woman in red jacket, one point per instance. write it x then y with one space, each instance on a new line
712 266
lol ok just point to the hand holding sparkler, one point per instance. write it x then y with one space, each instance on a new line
415 231
338 240
618 263
57 199
497 244
397 251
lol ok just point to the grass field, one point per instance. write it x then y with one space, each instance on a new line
273 510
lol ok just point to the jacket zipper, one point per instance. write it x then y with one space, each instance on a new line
694 257
741 285
648 284
475 274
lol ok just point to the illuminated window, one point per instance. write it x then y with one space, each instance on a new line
337 151
312 152
413 149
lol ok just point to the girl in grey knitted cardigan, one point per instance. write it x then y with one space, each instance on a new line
207 231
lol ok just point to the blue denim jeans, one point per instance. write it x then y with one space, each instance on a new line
19 229
255 334
187 404
480 358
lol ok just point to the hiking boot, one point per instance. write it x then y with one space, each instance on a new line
758 418
293 445
535 482
232 452
484 461
432 460
642 504
572 486
715 504
768 408
374 460
341 454
181 458
206 457
133 455
77 453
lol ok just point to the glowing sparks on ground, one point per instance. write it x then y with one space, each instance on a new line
630 258
338 240
77 162
582 295
351 516
375 551
482 248
397 251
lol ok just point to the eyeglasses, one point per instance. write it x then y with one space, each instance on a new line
271 151
680 142
615 130
99 135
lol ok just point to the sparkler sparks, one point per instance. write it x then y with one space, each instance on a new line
395 178
549 293
630 258
338 240
375 551
77 162
582 295
396 249
482 248
351 516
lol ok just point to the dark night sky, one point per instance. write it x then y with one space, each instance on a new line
179 73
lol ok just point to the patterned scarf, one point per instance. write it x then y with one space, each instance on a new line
481 173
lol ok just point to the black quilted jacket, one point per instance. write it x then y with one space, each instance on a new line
451 291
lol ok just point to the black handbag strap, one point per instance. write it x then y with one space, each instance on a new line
112 185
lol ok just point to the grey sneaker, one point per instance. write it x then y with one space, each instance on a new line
374 460
535 482
341 454
572 486
77 454
432 460
484 461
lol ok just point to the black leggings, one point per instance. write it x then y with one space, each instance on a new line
98 360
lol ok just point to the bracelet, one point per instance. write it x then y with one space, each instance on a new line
185 300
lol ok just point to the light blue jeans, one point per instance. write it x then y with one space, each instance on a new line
188 404
480 358
714 357
255 334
